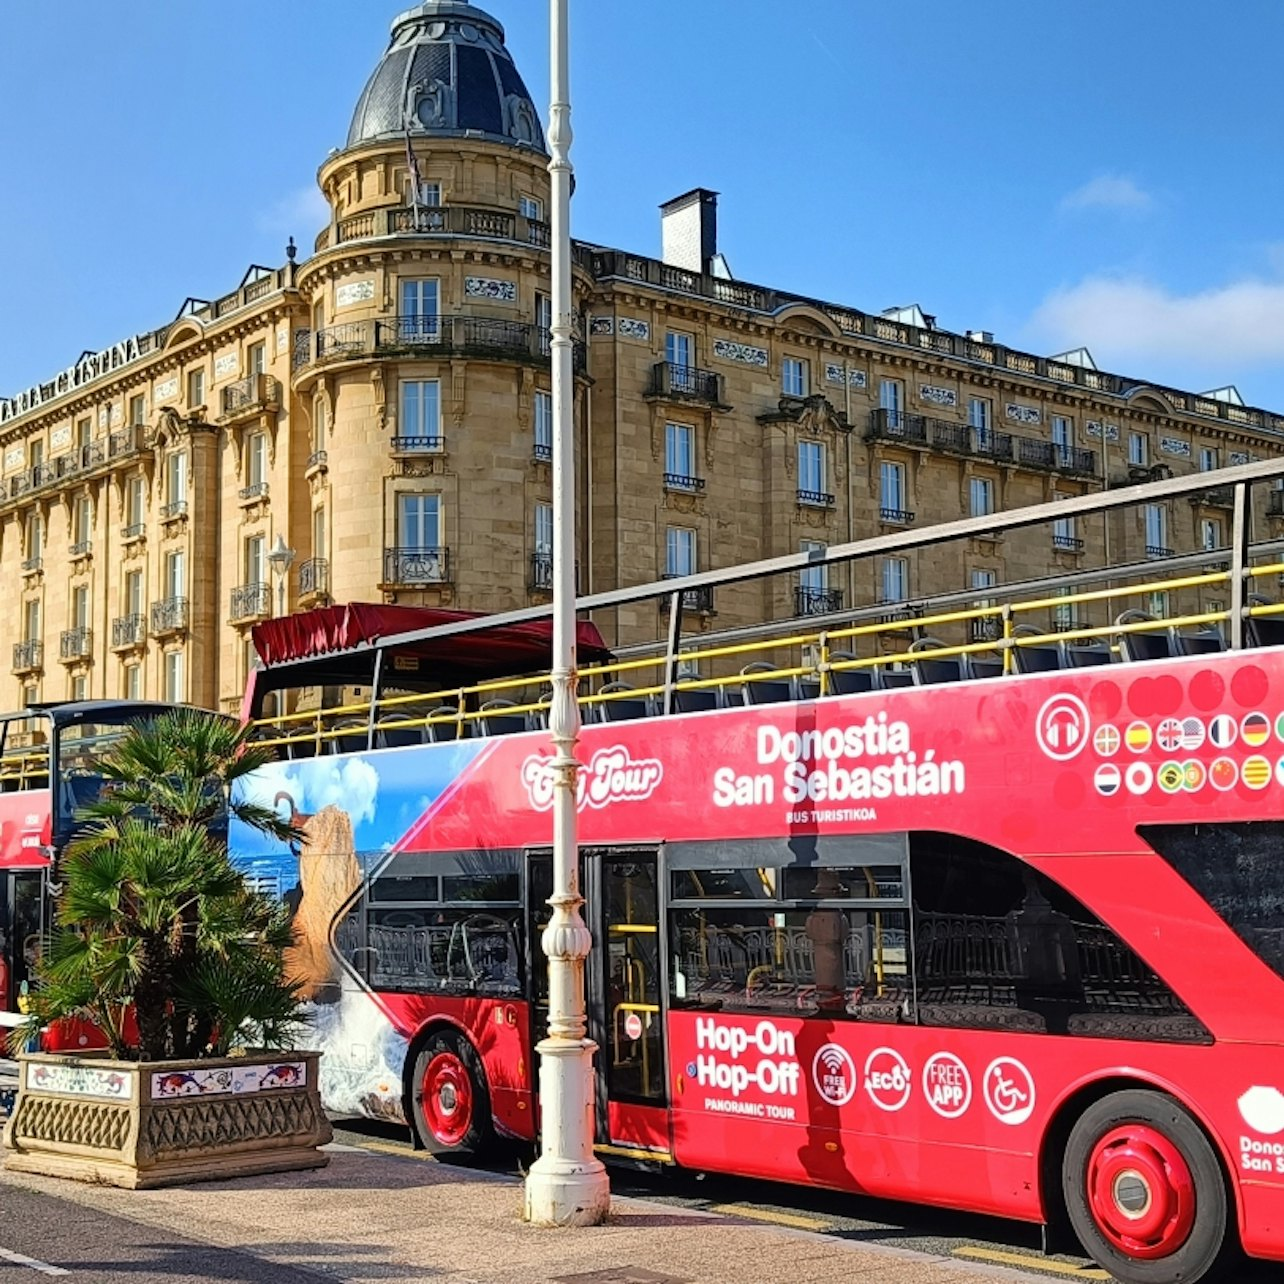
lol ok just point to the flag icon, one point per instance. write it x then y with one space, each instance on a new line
1193 776
1223 774
1171 777
1107 779
1192 733
1222 731
1169 735
1255 730
1256 772
1137 737
1279 726
1139 778
1106 740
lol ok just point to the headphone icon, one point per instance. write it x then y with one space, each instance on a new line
1062 727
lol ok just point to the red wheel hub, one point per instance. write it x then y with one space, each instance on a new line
448 1098
1141 1192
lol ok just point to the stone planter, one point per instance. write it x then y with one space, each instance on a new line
163 1123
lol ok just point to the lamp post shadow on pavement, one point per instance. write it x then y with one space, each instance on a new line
567 1185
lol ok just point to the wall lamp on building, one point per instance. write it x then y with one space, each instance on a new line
281 558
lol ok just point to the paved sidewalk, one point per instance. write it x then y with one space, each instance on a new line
373 1218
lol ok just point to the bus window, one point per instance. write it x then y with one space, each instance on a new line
808 928
456 930
999 945
1235 868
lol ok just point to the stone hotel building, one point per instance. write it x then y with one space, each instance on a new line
382 409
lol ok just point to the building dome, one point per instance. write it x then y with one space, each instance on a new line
447 73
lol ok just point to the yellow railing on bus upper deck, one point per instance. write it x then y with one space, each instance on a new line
24 769
827 651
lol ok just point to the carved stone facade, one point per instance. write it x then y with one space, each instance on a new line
383 407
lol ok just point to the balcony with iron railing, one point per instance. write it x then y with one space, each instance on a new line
128 631
169 615
256 394
28 655
33 565
815 498
253 492
1275 503
543 452
408 567
85 460
438 337
1066 543
135 530
979 443
541 580
318 461
896 516
172 511
986 629
250 602
698 601
418 445
314 578
685 383
1215 497
813 599
1157 551
76 644
81 548
681 482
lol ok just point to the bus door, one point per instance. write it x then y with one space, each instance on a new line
623 992
625 1001
22 926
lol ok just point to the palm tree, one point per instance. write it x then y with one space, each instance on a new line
153 919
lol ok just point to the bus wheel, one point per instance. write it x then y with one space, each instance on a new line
451 1102
1144 1191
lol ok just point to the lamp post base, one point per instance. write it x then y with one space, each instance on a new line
567 1185
567 1192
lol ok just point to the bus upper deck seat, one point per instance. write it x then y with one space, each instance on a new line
1035 657
495 720
1263 630
756 690
982 666
891 679
928 670
1204 642
694 699
1083 655
849 681
622 707
1143 644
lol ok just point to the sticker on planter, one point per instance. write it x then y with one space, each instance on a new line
224 1080
78 1081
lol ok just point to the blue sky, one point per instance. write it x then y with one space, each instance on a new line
1104 174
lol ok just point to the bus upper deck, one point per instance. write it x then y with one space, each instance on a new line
397 676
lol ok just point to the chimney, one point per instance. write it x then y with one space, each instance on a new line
689 230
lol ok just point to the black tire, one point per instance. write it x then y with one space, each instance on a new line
449 1098
1202 1252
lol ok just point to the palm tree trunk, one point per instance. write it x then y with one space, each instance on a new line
150 997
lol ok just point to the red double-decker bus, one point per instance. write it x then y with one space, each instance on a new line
58 743
995 924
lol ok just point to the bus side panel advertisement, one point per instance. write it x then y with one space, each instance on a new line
25 828
909 1112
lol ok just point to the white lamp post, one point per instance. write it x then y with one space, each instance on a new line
281 558
567 1185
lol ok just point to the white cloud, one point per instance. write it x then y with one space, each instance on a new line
1234 325
352 786
1109 192
300 213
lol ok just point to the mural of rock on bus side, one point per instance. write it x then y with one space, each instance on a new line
352 811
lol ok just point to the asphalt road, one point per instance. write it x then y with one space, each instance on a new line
60 1239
